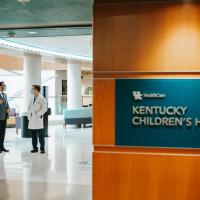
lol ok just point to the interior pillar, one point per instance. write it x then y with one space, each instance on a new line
32 75
74 86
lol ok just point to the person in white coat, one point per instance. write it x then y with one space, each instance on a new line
36 109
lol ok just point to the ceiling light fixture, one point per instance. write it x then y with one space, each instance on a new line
23 1
32 32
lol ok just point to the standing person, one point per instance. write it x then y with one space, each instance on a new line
36 109
4 115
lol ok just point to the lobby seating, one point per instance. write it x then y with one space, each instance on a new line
11 122
78 117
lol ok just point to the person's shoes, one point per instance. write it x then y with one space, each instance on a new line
5 150
0 151
34 151
42 151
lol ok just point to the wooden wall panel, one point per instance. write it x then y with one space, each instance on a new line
129 176
104 112
133 1
177 75
130 39
146 36
104 103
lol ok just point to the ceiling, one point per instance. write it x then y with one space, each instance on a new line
60 25
46 17
46 12
74 45
45 32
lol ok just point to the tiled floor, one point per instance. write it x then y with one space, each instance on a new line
64 172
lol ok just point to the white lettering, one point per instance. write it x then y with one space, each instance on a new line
156 110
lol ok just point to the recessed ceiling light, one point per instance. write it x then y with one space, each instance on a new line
32 32
23 1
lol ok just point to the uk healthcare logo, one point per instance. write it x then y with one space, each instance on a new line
137 95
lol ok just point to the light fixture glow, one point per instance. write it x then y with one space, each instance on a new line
26 48
32 32
23 1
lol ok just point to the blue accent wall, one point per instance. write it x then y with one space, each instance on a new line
179 92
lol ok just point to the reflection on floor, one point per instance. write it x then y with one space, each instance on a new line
64 172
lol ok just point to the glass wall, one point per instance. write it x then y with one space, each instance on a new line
15 91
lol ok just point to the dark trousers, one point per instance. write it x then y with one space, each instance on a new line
38 134
2 132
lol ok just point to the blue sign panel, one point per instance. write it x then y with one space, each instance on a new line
158 112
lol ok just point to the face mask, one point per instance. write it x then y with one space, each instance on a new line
31 91
4 88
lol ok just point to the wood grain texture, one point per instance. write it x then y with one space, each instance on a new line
134 1
132 37
146 36
105 75
122 176
104 112
152 150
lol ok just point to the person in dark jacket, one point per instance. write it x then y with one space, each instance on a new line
4 115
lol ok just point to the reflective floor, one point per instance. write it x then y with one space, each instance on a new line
64 172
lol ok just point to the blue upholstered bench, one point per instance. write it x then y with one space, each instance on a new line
78 117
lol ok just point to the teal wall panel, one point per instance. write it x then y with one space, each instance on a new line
139 122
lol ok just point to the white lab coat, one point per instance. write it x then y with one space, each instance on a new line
36 111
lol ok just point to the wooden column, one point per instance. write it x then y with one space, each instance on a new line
142 39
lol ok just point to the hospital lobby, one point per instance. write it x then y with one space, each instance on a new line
118 97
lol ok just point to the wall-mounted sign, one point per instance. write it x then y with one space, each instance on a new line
158 112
